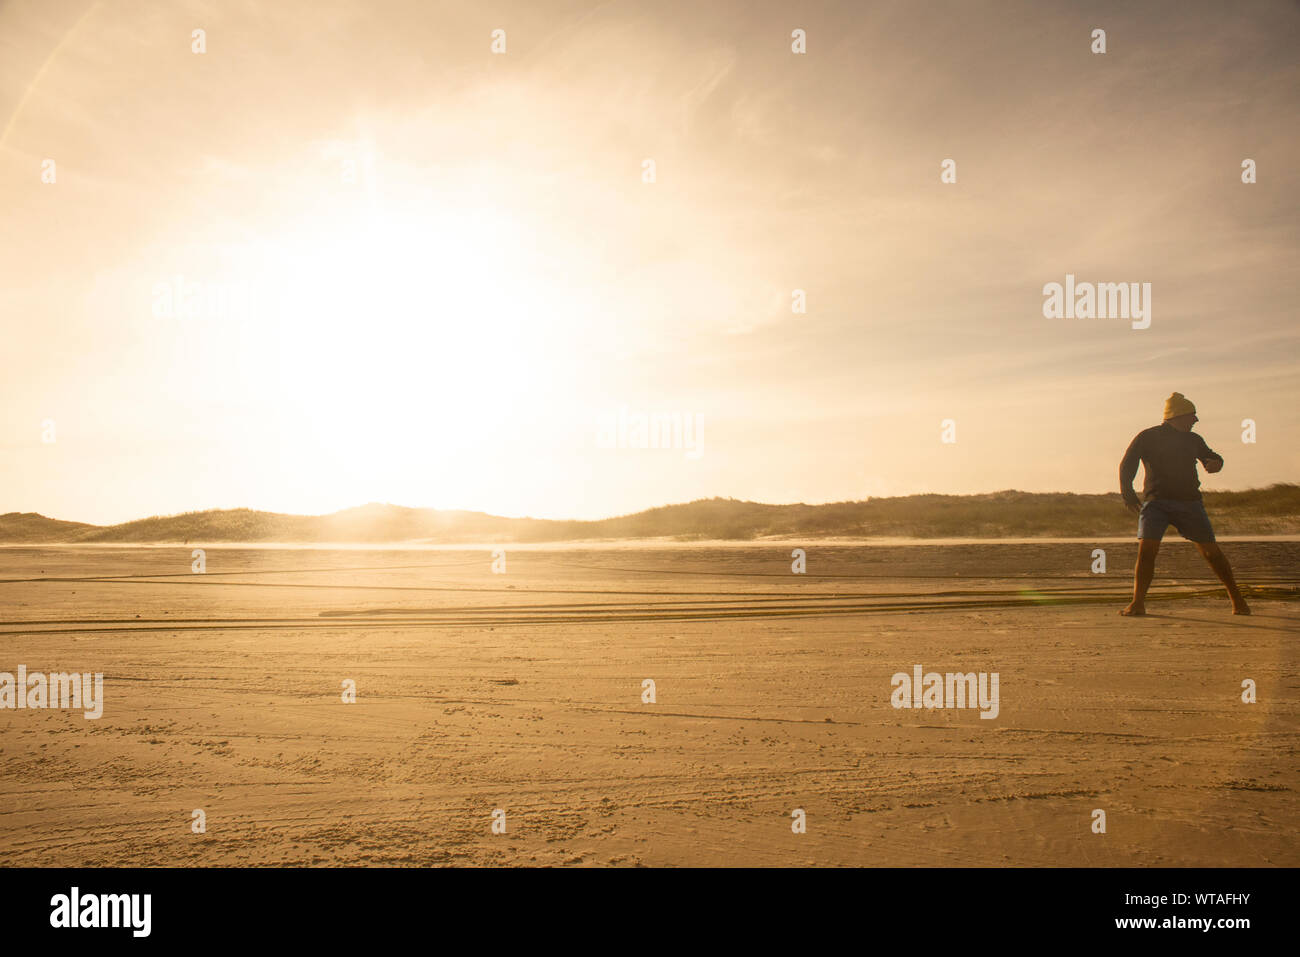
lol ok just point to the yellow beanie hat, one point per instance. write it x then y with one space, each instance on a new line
1178 404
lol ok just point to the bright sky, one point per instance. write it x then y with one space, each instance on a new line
421 272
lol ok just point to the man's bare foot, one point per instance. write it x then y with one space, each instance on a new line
1240 608
1137 609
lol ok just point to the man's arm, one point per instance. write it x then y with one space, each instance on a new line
1211 459
1128 468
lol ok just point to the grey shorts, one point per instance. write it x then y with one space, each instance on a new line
1189 518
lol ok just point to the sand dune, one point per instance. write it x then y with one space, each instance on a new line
1272 511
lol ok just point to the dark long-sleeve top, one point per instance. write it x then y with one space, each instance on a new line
1169 460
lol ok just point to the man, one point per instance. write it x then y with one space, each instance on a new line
1171 496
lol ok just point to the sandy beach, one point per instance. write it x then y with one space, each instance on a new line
523 692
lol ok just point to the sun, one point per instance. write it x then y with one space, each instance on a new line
401 341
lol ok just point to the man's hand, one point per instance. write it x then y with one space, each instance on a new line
1133 507
1212 465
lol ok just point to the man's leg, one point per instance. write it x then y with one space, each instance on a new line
1142 575
1213 554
